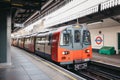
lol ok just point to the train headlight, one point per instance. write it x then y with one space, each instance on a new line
65 52
87 59
87 50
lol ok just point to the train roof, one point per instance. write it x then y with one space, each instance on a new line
53 30
49 30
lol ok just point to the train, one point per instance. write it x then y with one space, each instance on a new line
67 45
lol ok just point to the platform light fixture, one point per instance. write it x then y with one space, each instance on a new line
77 24
18 25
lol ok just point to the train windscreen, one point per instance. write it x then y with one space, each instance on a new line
65 38
86 37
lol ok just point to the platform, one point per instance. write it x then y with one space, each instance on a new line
113 60
26 66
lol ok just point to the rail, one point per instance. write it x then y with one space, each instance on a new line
101 71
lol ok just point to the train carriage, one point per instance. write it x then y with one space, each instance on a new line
29 44
65 45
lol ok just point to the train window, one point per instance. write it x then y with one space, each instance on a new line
65 38
49 39
77 36
25 40
86 37
40 40
43 39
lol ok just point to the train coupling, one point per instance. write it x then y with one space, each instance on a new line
80 66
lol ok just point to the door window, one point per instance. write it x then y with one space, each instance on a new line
86 37
77 36
65 37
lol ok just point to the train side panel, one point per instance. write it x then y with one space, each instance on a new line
26 43
55 43
40 46
29 44
21 42
48 46
32 44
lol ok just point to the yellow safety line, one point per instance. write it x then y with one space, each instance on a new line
59 71
17 5
69 76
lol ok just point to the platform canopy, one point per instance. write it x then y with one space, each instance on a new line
21 9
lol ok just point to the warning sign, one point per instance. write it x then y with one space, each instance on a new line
99 40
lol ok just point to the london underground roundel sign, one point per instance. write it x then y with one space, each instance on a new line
98 40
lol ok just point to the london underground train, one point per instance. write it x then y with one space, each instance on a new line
66 45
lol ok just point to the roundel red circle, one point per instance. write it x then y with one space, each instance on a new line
98 40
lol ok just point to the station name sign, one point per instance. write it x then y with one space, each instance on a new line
18 25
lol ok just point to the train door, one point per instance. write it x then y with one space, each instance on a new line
40 46
32 44
55 39
77 43
18 42
48 46
25 43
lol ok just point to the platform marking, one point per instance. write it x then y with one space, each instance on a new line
59 71
69 76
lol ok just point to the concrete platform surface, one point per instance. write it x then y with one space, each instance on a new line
26 66
113 60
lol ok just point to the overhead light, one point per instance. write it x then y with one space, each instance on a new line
18 25
95 22
17 4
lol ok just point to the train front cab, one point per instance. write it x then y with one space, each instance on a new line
73 46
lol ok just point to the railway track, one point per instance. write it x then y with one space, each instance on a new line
99 71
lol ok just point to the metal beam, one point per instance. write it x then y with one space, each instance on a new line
115 19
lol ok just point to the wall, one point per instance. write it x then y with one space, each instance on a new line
110 36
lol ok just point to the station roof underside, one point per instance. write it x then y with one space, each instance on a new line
21 9
112 13
24 9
